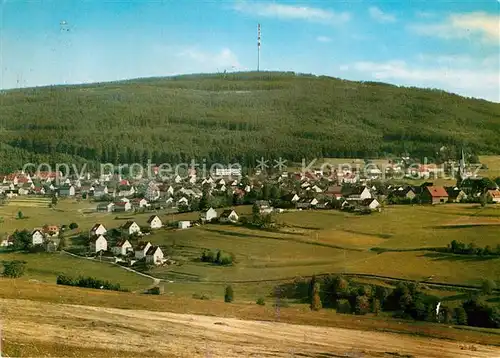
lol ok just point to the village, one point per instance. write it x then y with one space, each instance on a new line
350 190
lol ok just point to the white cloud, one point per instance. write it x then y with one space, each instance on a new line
209 61
323 39
291 12
460 26
476 81
380 16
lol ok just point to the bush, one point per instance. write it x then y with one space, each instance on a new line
488 286
343 306
88 282
376 306
154 291
228 294
362 305
460 316
200 297
260 301
14 269
73 226
219 258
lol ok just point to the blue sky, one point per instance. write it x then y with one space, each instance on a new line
451 45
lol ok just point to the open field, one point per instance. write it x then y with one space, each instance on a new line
493 163
187 335
311 242
69 210
101 316
45 267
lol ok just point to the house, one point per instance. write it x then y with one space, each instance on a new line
67 190
105 207
184 224
122 247
208 215
154 222
303 204
37 237
98 244
358 193
51 230
493 196
229 216
434 195
139 203
183 201
334 191
9 241
51 246
100 191
141 249
455 195
264 206
131 228
122 206
154 255
371 204
97 230
126 190
405 193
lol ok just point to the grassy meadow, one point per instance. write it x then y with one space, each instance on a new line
398 242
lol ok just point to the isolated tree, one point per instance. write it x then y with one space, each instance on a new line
20 215
488 286
62 241
310 289
316 299
228 294
376 306
362 305
255 213
14 269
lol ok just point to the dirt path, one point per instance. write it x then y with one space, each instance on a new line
183 335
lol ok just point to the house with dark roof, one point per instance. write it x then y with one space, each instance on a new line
131 228
229 216
154 255
455 194
141 249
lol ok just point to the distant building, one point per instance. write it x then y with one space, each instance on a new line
184 224
99 244
233 172
434 195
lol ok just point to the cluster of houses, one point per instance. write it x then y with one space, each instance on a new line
144 250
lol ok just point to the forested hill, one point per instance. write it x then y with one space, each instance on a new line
238 116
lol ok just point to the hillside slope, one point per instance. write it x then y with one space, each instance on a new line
76 330
239 116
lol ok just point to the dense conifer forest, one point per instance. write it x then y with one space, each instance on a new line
237 117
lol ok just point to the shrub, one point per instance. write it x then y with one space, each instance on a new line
343 306
73 226
154 291
488 286
14 269
228 294
362 305
260 301
200 297
376 306
460 316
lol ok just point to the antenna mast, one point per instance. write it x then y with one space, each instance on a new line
258 49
